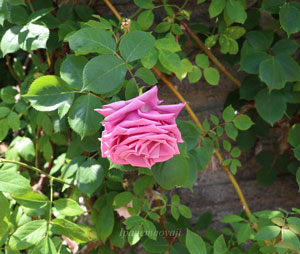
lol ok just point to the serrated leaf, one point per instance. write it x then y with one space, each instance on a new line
289 18
71 70
212 76
103 74
68 207
195 243
92 40
82 116
27 235
13 183
90 176
48 93
272 73
135 45
270 106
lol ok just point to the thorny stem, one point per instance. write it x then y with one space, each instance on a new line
34 169
191 112
7 58
100 98
210 55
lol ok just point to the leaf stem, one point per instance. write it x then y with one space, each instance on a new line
30 5
7 58
34 169
210 55
100 98
50 204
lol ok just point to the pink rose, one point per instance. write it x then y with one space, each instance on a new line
140 132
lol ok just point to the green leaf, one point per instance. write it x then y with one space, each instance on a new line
195 243
235 32
175 212
169 60
243 122
266 176
9 41
158 246
70 230
31 200
251 58
13 121
82 116
190 133
167 44
236 152
67 207
272 73
195 75
236 11
290 237
231 131
290 67
243 233
105 223
131 89
122 199
13 183
71 70
294 137
4 129
18 15
210 41
4 215
226 145
135 45
150 229
146 75
145 19
220 245
216 7
228 113
260 40
204 221
270 106
150 59
45 246
171 173
162 27
48 93
202 60
205 152
285 47
228 45
27 235
267 233
185 211
272 6
4 111
89 176
232 218
133 221
142 184
33 36
212 76
145 4
289 17
92 40
103 74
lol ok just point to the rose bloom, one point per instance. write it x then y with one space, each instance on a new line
140 132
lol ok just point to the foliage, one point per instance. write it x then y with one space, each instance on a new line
64 61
